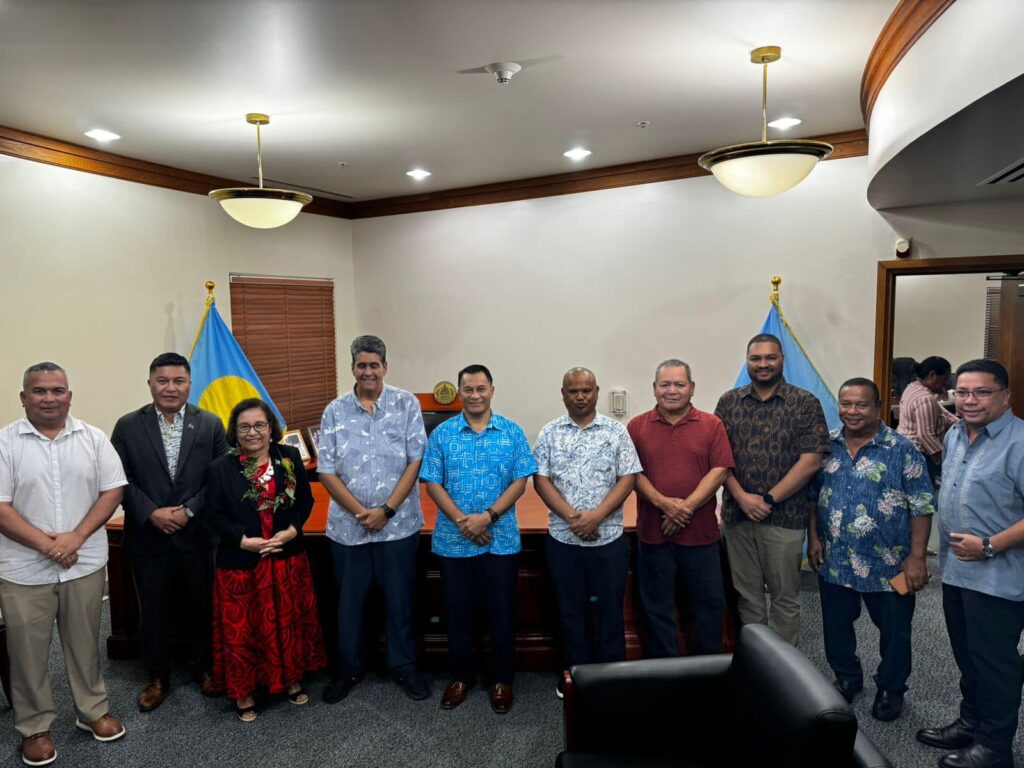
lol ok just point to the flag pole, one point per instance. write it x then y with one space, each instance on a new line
210 285
777 301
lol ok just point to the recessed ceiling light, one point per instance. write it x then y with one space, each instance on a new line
785 122
418 173
577 153
101 135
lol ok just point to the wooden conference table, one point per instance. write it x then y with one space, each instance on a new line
536 610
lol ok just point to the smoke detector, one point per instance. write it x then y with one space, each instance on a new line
503 71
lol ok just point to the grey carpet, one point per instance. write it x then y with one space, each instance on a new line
378 726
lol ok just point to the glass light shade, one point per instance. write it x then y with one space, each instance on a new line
261 208
762 169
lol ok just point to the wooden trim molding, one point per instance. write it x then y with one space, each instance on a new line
41 149
847 144
909 20
885 303
29 146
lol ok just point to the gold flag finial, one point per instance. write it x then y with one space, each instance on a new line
210 285
776 282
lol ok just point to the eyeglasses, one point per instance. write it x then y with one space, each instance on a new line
979 394
259 426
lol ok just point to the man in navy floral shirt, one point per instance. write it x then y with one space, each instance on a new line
875 502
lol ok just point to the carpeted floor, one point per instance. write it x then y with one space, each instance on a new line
378 726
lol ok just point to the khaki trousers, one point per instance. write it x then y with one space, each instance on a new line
761 554
29 613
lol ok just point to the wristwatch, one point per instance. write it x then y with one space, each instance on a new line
388 511
769 499
988 549
492 514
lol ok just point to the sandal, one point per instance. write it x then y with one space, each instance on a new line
299 697
246 714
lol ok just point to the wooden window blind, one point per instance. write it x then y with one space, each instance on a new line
992 323
286 328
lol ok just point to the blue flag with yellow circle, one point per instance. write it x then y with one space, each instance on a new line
222 375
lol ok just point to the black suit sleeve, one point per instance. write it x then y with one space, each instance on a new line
303 495
135 502
218 507
197 503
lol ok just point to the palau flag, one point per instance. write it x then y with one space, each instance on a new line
222 375
797 366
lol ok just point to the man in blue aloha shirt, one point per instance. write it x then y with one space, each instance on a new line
875 503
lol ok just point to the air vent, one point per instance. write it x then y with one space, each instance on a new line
289 185
1011 173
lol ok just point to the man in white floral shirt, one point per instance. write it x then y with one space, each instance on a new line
875 502
586 468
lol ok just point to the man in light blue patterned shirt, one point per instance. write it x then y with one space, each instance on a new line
475 467
875 506
371 444
981 554
586 464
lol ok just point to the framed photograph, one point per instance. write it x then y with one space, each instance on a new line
314 439
293 437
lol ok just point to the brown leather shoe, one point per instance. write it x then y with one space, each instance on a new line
107 728
501 698
208 686
153 694
38 749
454 694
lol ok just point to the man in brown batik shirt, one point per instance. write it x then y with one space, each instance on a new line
778 436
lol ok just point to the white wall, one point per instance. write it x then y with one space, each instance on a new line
101 275
940 315
619 279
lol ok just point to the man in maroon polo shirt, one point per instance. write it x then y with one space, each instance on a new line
686 457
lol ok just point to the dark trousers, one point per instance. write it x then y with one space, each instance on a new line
159 580
392 566
984 631
891 612
487 581
590 582
701 568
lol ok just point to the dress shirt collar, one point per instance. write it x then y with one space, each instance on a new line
691 415
70 425
785 391
993 428
492 423
566 421
179 415
881 438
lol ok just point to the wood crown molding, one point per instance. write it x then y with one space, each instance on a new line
909 20
29 146
847 144
41 149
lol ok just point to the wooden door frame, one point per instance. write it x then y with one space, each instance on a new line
885 302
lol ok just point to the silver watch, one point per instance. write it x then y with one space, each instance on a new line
988 549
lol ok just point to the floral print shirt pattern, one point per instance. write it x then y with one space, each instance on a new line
864 508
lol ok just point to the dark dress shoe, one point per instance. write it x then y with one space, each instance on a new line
208 686
887 706
415 687
956 735
975 756
848 689
454 694
501 698
153 694
339 688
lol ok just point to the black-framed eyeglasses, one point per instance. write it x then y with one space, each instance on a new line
259 426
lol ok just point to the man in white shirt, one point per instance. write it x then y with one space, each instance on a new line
60 481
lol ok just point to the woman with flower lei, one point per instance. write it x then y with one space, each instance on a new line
266 633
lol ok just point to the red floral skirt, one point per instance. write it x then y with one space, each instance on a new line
266 633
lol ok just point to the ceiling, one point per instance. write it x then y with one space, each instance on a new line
379 84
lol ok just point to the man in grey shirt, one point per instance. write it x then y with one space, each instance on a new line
981 527
371 443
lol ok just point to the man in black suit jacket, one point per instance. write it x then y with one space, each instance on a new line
165 448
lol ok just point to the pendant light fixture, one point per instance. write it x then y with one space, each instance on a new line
763 168
262 208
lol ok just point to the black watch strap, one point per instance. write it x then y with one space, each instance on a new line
769 499
389 512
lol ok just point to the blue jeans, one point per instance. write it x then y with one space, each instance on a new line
891 612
